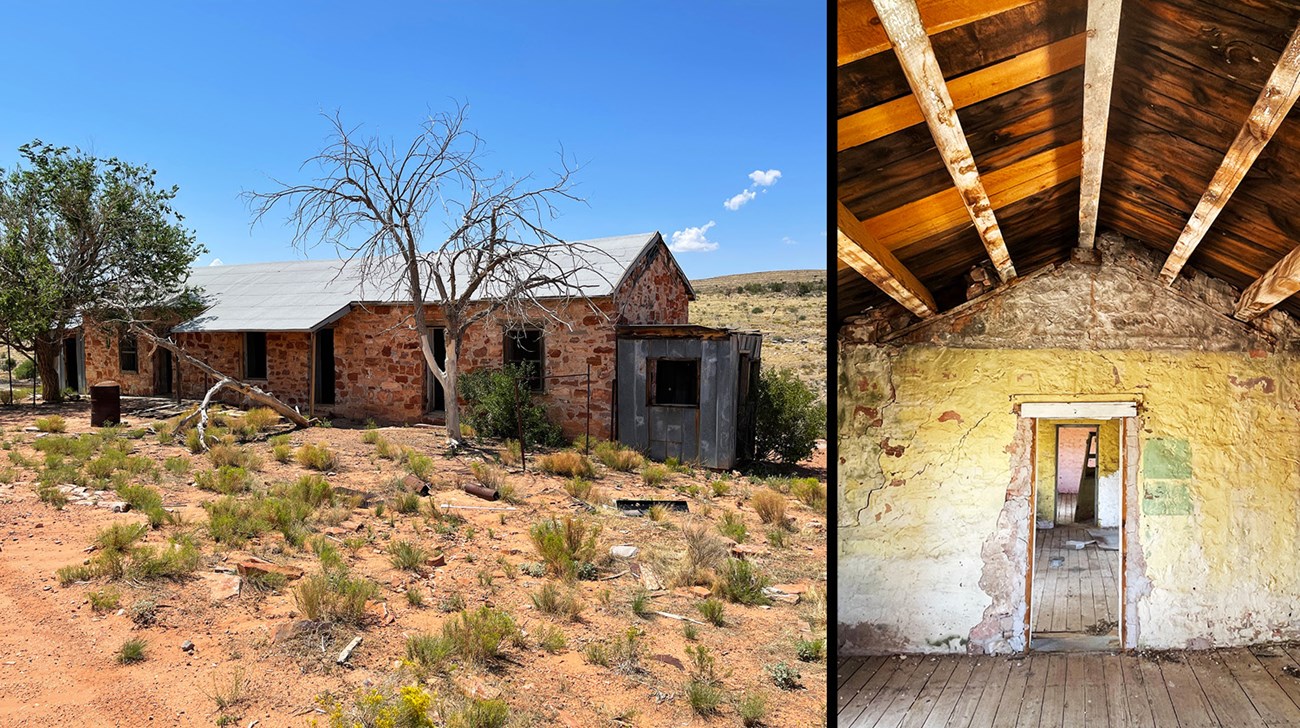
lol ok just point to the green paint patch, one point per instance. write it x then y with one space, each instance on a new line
1166 459
1167 498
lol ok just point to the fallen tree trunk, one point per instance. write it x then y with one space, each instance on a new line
248 390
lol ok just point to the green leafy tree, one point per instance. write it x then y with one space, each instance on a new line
81 234
789 417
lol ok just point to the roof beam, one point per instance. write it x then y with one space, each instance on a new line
945 210
860 33
860 250
902 23
1035 65
1270 289
1279 94
1098 76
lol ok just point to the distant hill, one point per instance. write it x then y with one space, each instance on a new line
727 284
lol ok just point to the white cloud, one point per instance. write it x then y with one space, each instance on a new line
216 261
789 241
735 203
765 179
693 240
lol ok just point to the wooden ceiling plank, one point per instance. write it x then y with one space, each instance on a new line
945 210
1030 67
860 32
1270 289
1098 76
857 248
1271 108
902 23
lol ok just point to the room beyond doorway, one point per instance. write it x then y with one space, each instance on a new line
1076 545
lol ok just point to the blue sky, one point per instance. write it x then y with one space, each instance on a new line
670 107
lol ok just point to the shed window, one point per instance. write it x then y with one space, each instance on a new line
675 382
255 355
526 346
128 357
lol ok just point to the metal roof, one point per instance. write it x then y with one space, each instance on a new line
303 295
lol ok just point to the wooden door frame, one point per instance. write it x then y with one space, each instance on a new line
1126 413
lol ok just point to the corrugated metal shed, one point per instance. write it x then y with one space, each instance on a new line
304 295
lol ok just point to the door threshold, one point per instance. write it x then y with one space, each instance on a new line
1073 642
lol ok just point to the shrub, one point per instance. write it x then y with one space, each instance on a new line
511 453
317 457
226 480
654 474
616 456
789 418
261 418
282 453
406 556
810 650
712 610
549 599
494 713
147 501
784 676
233 455
778 538
752 709
104 600
53 423
551 638
566 462
26 369
579 488
703 697
498 400
703 554
421 466
622 654
311 489
741 583
232 521
414 597
690 631
264 581
50 493
334 596
489 476
119 537
732 526
131 651
564 545
641 603
179 557
810 492
429 652
770 506
479 637
371 436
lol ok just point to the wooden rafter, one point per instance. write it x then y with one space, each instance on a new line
1098 76
860 33
985 83
860 251
1279 94
1270 289
945 210
902 23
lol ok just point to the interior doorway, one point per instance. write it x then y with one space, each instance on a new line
435 399
162 372
1077 562
324 367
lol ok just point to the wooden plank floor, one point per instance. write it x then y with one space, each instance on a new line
1082 591
1229 687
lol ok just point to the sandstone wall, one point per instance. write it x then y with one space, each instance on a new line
654 292
935 469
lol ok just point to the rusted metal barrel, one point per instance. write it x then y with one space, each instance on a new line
481 491
105 404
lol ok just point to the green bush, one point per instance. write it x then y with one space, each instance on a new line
496 400
333 596
564 545
26 369
789 418
741 583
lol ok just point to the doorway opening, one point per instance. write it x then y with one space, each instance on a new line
434 397
162 372
72 363
1077 563
324 366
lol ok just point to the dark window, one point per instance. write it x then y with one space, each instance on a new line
255 355
128 358
526 346
675 382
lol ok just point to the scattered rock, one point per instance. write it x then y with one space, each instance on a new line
187 646
624 551
700 591
255 565
742 551
289 630
474 688
223 586
649 580
436 560
347 651
780 596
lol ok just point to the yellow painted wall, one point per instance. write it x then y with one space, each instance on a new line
925 437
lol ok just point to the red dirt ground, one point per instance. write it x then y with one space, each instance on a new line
57 656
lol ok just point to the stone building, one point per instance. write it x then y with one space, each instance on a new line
322 339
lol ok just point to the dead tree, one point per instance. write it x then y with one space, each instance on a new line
495 257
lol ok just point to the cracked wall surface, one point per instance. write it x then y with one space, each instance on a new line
932 521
